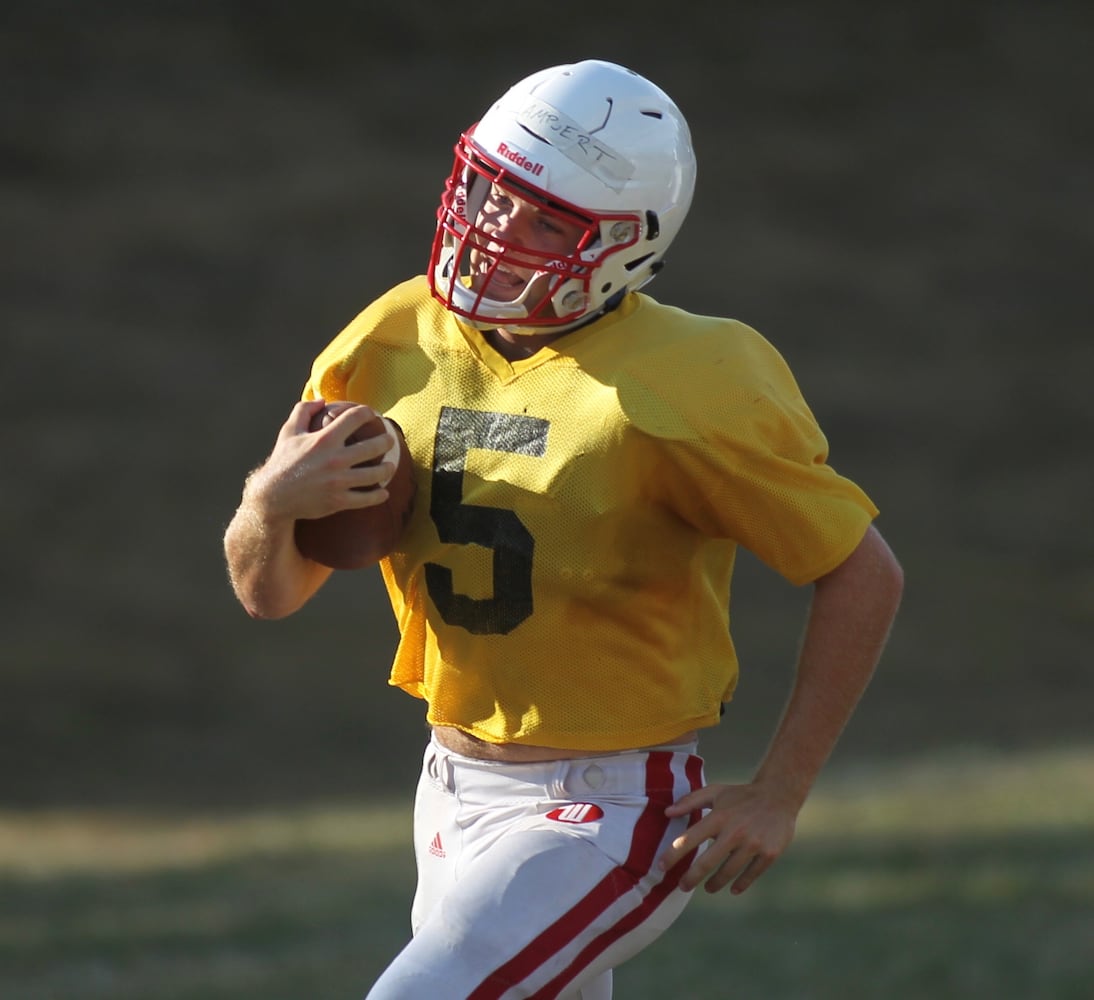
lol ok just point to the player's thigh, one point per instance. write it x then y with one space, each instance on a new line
542 909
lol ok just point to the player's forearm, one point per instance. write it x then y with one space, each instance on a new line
849 621
270 577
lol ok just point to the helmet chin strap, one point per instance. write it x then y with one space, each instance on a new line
503 310
533 331
508 313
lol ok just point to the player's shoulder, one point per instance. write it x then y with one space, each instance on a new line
394 319
698 341
397 312
688 355
680 372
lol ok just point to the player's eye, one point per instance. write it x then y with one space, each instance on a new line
499 199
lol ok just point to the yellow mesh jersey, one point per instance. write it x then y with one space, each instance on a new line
564 579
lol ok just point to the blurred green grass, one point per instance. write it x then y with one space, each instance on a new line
955 877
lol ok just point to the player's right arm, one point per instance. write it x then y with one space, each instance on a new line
308 474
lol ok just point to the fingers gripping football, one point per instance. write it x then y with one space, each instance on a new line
357 537
357 466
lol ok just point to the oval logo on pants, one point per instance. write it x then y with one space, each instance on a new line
576 812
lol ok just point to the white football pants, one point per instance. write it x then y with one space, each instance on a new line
535 880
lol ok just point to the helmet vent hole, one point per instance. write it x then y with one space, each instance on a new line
633 265
653 114
653 226
604 289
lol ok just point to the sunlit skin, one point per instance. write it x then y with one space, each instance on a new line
515 220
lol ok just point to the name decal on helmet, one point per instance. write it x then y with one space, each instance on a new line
609 166
519 159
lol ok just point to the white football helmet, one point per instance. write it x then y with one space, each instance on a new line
592 143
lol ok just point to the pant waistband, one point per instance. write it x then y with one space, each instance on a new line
626 773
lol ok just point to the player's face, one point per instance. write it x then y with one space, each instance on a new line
509 220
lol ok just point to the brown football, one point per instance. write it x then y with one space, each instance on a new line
354 539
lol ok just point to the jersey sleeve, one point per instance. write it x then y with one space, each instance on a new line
737 453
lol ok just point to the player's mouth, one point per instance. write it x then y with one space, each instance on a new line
497 281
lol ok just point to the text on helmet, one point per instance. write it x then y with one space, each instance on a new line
518 159
576 143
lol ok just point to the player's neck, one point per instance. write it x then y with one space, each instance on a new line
517 346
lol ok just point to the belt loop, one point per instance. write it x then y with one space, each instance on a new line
559 784
448 773
439 767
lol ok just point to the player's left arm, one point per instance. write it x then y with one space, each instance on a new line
750 825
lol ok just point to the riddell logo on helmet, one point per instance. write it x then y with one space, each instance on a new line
518 159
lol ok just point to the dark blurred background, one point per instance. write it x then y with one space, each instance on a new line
195 197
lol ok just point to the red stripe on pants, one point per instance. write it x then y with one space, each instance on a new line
648 834
635 918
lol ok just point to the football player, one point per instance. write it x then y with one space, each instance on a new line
588 462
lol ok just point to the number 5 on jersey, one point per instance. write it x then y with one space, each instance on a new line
494 528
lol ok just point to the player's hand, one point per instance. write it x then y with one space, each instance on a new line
312 474
748 827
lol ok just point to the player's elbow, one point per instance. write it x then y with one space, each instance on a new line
271 605
263 601
262 612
